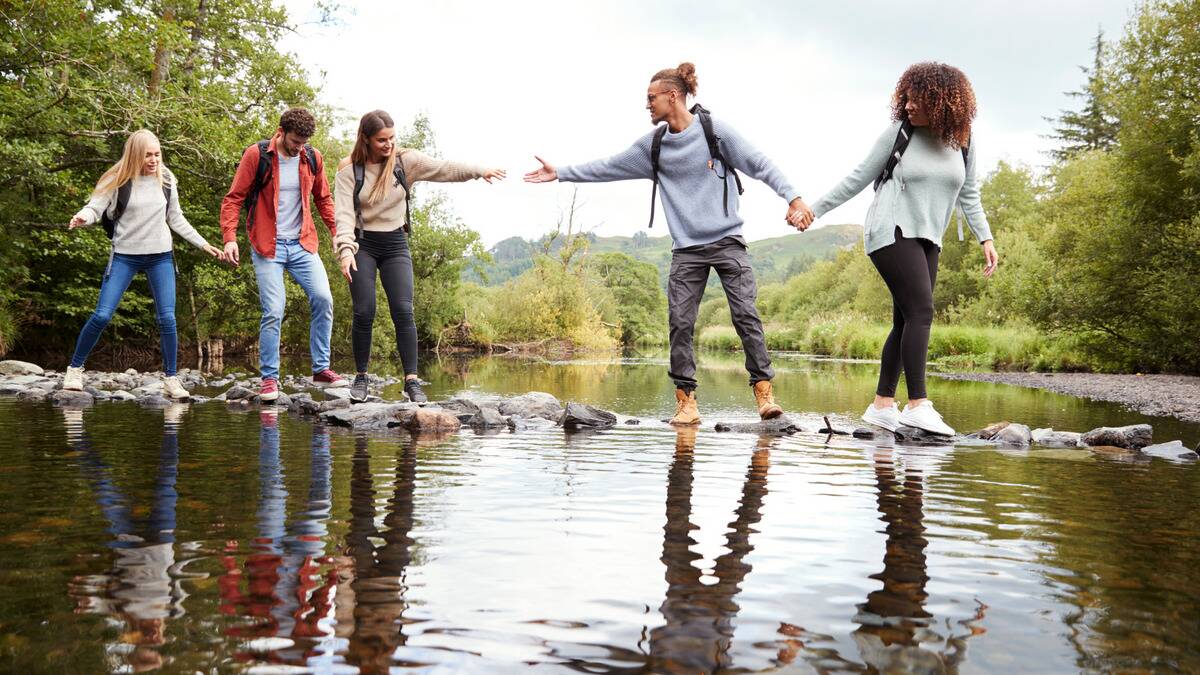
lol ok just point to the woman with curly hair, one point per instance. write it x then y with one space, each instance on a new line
934 170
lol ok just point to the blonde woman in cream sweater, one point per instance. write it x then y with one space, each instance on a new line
371 210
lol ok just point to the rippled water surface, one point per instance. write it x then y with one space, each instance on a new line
200 539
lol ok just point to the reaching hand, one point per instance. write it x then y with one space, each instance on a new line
231 253
494 174
990 258
799 215
75 222
348 265
214 252
546 174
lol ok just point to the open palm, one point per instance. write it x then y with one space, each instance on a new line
545 174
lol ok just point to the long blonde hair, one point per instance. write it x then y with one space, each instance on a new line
368 126
130 164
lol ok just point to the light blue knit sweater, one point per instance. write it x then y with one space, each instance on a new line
691 192
919 199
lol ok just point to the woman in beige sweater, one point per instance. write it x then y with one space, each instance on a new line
372 216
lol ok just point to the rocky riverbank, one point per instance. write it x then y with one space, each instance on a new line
29 382
1164 395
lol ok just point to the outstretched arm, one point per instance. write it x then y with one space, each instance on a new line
633 163
862 176
419 166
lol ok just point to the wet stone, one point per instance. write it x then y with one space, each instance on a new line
578 416
485 418
1055 439
1014 435
71 398
1133 436
32 395
913 435
12 367
863 432
155 401
370 415
533 404
425 420
236 393
780 426
1175 450
633 421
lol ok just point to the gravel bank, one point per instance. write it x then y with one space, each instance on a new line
1168 395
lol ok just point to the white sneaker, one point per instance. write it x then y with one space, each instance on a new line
73 379
926 418
887 418
173 389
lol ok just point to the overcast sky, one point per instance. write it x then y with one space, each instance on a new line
806 82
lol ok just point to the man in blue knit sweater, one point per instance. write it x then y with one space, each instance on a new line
703 220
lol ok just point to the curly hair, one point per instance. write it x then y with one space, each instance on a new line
298 121
681 78
945 94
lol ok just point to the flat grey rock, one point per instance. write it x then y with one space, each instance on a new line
1175 451
1134 436
10 389
236 393
780 426
370 415
12 367
27 379
155 401
1055 439
337 393
1014 435
864 433
72 398
485 418
914 436
533 404
32 395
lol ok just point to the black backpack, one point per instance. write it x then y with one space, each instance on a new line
263 174
109 223
902 138
714 152
401 182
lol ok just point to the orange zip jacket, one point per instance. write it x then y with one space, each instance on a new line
262 232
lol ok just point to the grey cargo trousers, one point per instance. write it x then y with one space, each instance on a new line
685 290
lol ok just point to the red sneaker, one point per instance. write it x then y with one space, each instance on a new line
328 378
269 390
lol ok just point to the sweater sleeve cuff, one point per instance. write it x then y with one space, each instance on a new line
566 174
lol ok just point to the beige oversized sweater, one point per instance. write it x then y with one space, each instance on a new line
388 213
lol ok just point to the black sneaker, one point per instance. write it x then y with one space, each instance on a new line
412 387
358 390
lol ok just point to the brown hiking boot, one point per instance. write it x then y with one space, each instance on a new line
686 413
768 409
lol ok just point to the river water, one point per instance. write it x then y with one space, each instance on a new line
203 539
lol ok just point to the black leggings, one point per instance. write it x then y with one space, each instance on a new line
909 268
386 253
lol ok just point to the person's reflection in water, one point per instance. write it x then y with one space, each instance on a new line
893 621
371 596
699 616
285 592
143 588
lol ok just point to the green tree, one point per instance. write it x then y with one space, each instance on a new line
1094 126
641 306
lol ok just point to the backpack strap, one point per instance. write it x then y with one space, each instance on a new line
311 155
402 182
261 176
655 150
903 136
714 152
110 222
359 176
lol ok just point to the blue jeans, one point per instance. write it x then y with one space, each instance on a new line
307 270
160 271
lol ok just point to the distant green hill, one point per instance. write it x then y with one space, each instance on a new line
775 259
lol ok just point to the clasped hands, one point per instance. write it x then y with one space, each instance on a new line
799 215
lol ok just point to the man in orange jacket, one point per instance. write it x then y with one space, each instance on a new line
284 238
